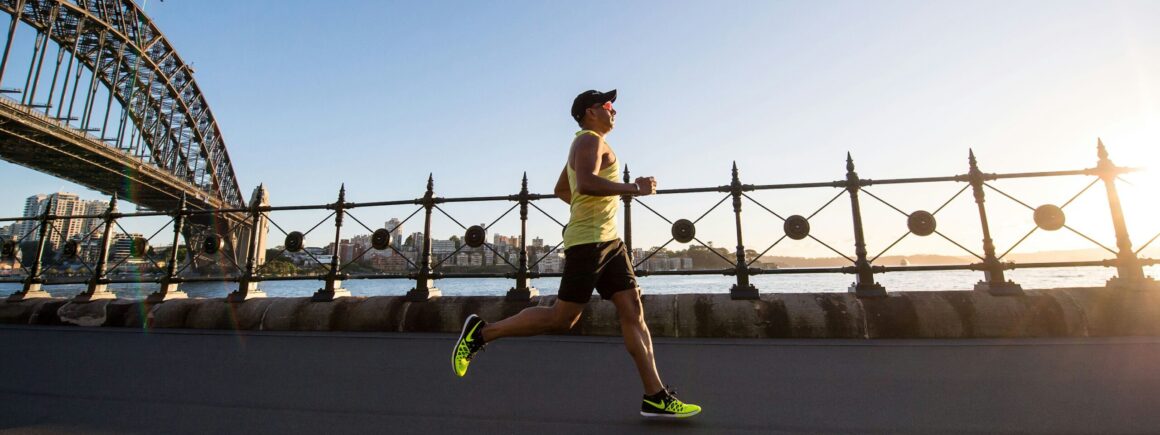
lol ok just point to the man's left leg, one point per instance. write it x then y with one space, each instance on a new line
637 339
658 401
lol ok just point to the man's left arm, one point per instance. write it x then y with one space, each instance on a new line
563 191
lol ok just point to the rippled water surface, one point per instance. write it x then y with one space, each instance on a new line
898 281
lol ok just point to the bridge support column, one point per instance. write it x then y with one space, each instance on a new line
864 286
32 285
248 285
333 288
993 280
424 280
99 284
171 282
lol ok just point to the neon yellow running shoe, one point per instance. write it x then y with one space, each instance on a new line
469 344
666 405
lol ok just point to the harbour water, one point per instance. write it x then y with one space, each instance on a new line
803 283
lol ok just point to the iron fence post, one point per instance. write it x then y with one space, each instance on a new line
993 280
522 292
424 280
248 283
333 288
98 287
864 286
743 289
627 199
170 283
33 284
1129 270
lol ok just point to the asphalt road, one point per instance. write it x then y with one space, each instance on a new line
79 380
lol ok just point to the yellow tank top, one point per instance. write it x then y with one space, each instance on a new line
593 218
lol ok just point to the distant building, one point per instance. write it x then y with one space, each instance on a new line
122 246
442 246
395 226
552 263
61 204
33 207
416 240
94 226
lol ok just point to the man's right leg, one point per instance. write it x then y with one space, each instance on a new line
531 321
535 321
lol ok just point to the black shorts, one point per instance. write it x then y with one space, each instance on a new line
604 266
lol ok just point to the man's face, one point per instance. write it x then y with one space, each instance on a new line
603 114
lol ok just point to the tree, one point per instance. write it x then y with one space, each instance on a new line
279 266
457 241
410 242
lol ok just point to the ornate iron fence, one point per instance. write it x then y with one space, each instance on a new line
426 269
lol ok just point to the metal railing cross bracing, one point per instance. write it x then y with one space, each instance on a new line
425 268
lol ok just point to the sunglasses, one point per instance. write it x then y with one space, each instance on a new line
607 106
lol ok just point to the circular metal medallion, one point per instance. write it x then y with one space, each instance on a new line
1049 217
70 249
475 236
796 227
212 244
294 241
139 248
381 239
684 230
921 223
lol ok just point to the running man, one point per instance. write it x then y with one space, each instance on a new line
594 257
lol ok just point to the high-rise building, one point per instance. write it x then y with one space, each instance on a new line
62 204
395 226
33 207
417 240
93 226
65 204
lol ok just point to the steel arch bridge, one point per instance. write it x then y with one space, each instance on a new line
160 140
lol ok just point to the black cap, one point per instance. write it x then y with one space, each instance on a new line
588 98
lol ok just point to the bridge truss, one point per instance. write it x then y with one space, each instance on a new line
159 142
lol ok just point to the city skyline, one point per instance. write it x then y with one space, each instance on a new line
786 101
68 203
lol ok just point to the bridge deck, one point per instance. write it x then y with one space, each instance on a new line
33 140
101 380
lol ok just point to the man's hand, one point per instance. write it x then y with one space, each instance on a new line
646 185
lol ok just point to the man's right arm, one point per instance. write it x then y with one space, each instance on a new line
586 163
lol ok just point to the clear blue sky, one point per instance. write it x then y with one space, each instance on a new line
378 94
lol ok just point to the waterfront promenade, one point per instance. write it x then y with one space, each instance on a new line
112 380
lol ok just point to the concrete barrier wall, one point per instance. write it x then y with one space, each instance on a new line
1070 312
